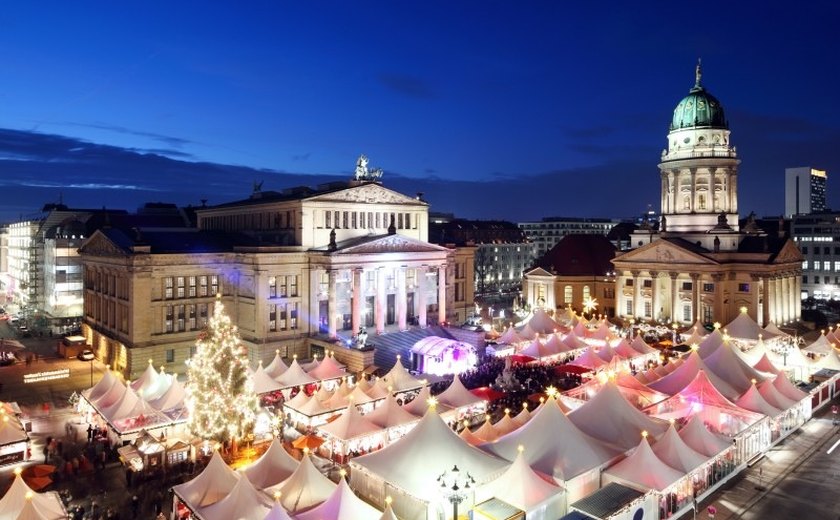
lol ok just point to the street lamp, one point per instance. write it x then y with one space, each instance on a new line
456 487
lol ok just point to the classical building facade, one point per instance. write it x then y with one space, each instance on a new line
700 263
289 266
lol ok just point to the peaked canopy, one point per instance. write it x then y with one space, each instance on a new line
521 487
700 439
456 395
536 349
744 327
390 414
680 378
773 397
11 430
147 379
574 342
329 368
305 488
730 367
830 361
433 445
469 437
542 323
43 505
673 451
399 379
295 376
277 366
644 469
765 365
753 401
420 403
277 513
509 337
101 387
273 467
639 345
589 359
486 432
211 485
608 416
506 424
243 501
575 455
342 504
773 329
171 399
786 388
264 383
821 345
349 425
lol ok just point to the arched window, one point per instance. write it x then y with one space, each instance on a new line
702 201
586 294
567 294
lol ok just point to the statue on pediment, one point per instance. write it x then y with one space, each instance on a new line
363 173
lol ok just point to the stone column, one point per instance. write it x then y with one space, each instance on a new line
733 192
380 301
718 310
693 174
314 301
792 295
798 301
402 310
755 280
674 298
421 296
771 299
765 308
442 293
783 295
654 275
637 295
695 295
358 295
332 308
780 300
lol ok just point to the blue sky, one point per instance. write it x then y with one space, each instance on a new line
527 109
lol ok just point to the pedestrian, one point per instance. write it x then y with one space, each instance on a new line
90 432
135 506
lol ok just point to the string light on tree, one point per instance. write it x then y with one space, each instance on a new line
219 390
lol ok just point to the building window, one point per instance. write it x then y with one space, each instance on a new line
272 317
214 284
836 266
345 220
328 219
354 224
191 317
370 220
804 264
202 286
408 221
647 284
170 355
180 285
281 280
169 317
181 324
337 215
293 315
805 251
708 287
648 309
804 278
686 286
586 293
292 281
628 282
281 322
707 314
192 291
743 287
168 284
629 309
686 313
399 220
272 286
567 294
202 315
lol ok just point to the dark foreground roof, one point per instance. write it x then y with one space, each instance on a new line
608 500
579 255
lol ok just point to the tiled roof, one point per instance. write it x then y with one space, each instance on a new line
579 255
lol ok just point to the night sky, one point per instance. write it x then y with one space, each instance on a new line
514 110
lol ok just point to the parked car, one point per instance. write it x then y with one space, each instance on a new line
86 355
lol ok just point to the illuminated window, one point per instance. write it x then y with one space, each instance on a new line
272 317
202 286
168 284
180 285
293 315
272 286
214 284
648 309
167 324
292 281
686 313
567 294
192 290
586 293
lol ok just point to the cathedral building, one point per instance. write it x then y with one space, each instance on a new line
290 267
700 263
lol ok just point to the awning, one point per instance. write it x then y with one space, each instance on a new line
571 369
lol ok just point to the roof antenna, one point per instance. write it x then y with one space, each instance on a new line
698 73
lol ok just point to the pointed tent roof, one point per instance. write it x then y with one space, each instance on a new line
305 488
45 505
101 387
509 337
787 389
146 380
542 323
11 431
732 368
273 467
602 332
344 388
295 376
311 365
753 401
469 437
830 361
821 345
753 355
388 514
686 373
336 401
773 329
536 349
399 379
555 344
297 401
486 432
608 416
640 345
243 501
643 468
171 399
277 513
359 396
323 393
589 359
796 358
210 486
623 349
329 368
431 444
744 327
700 439
277 366
342 504
390 414
506 424
312 407
523 416
773 397
349 425
710 343
699 327
695 337
128 406
456 395
580 330
673 451
527 332
765 365
574 342
577 454
521 486
263 383
114 394
607 353
420 403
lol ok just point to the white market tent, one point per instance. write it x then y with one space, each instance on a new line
469 437
46 506
523 488
213 484
673 451
398 379
573 342
295 376
420 403
305 488
351 424
786 388
642 347
773 329
243 501
743 327
342 504
643 469
537 350
101 387
830 361
486 432
405 468
542 323
680 378
506 424
773 397
12 431
753 401
277 512
710 343
457 396
389 414
264 383
609 417
328 368
821 345
171 399
509 337
589 359
732 368
273 467
277 366
147 383
697 436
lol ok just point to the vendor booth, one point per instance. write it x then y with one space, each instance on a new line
14 441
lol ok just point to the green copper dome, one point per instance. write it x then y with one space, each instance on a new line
699 109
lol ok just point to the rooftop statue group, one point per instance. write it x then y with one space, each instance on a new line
365 174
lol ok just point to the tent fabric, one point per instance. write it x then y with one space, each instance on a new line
639 345
527 333
214 483
786 388
753 401
673 451
773 329
243 501
608 416
46 506
349 425
342 504
522 487
305 488
297 401
273 467
795 358
574 342
731 368
700 328
542 323
277 513
821 345
420 403
171 399
623 349
277 366
505 425
643 468
509 337
606 353
329 368
101 387
263 383
555 344
703 390
114 393
695 338
680 378
388 514
295 376
744 327
469 437
146 380
456 395
577 454
336 401
390 414
323 393
523 416
710 343
537 349
433 445
830 361
359 396
589 359
773 397
765 365
12 431
698 437
486 432
399 379
312 407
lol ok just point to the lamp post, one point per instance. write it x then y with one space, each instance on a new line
456 486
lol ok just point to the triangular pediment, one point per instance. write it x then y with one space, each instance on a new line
663 252
369 194
538 271
100 245
789 253
386 244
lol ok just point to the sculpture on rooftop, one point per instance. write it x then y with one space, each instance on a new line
363 173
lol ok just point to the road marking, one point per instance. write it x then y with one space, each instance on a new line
832 448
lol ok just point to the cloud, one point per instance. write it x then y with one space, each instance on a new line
176 142
302 156
409 86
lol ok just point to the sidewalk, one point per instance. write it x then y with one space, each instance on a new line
735 499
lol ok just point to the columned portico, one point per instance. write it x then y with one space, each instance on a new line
332 307
380 301
358 291
695 295
422 306
442 293
402 304
638 310
765 303
654 284
674 297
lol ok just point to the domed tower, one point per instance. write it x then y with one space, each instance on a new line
699 170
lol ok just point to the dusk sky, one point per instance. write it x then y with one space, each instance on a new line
510 110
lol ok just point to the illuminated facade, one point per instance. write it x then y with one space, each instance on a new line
291 265
804 191
700 264
817 236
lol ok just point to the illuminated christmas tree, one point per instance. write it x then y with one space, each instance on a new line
220 392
